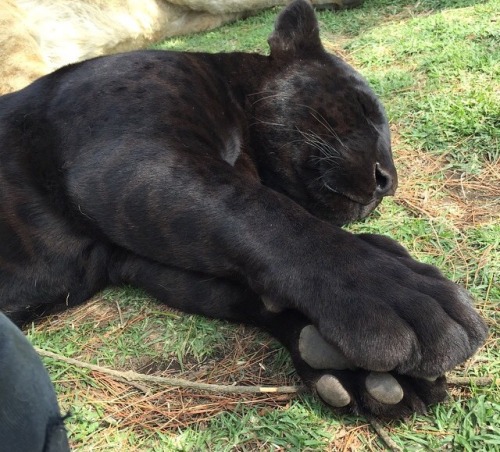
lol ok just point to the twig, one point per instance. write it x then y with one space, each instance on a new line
141 388
478 381
130 375
385 436
122 324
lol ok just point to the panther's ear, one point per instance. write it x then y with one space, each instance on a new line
296 31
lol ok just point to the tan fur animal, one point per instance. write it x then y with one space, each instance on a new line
39 36
21 58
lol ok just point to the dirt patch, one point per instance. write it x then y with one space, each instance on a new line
427 188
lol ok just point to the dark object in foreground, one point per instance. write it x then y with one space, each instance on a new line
30 420
217 183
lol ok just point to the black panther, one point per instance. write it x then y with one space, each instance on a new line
218 183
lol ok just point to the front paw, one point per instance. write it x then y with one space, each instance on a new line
337 382
390 313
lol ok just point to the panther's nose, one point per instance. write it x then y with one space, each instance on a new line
386 181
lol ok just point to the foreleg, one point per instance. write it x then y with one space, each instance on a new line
322 367
365 294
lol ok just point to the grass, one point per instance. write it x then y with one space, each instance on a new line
436 67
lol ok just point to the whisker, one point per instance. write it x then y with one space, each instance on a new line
261 92
314 113
270 95
268 123
265 98
322 120
329 152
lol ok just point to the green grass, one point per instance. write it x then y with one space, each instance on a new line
298 427
440 92
436 67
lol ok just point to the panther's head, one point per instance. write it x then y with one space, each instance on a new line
320 134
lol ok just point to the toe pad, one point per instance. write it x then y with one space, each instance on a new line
332 392
318 353
384 388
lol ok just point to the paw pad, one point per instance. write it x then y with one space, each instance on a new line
318 353
332 392
384 388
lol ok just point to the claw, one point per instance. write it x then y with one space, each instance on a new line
271 305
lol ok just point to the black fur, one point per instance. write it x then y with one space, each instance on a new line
214 181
